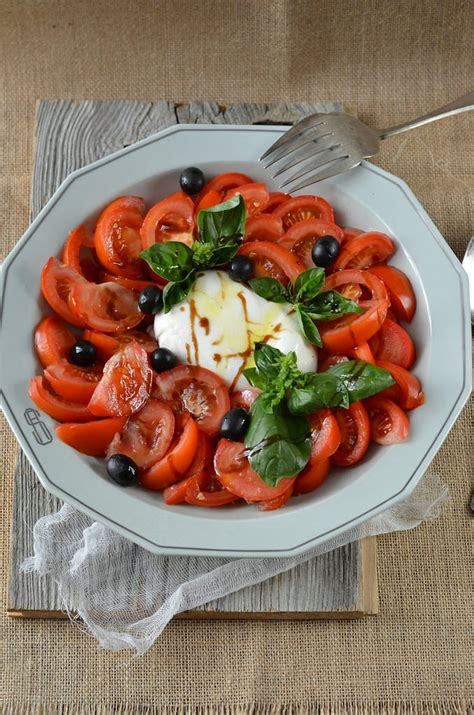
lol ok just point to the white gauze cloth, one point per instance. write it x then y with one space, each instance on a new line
125 595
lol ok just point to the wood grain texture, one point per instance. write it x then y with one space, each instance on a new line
69 135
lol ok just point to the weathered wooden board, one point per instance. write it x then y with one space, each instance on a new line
339 584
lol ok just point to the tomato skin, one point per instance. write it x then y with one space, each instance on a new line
301 237
351 232
90 438
73 383
255 196
107 345
325 435
131 283
78 237
173 465
355 432
272 260
169 220
400 291
300 208
125 385
196 390
244 398
312 476
61 410
57 282
263 228
146 436
53 340
97 305
331 360
362 352
196 496
224 183
388 422
407 392
117 236
276 502
276 198
364 250
211 198
199 470
393 344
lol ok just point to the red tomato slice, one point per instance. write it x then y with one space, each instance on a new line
301 237
393 344
276 198
130 283
255 196
330 361
237 476
53 340
107 307
107 345
199 471
312 476
196 496
224 183
325 435
301 208
244 398
400 291
276 502
57 282
78 238
272 260
362 352
146 436
196 390
179 458
407 392
169 220
388 423
364 250
263 228
117 236
90 438
212 198
125 385
340 336
55 406
355 434
350 232
73 383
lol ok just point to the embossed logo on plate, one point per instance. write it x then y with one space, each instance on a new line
40 432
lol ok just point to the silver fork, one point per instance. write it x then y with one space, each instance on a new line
323 145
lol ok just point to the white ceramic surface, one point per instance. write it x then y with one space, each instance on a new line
366 197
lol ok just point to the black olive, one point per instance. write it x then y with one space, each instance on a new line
191 180
163 359
241 268
235 424
325 251
150 300
122 469
83 353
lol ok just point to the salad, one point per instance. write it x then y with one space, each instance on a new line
228 344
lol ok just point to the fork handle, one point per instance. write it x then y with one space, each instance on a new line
463 104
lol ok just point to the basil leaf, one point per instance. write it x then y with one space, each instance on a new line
280 423
319 390
361 379
255 378
223 253
330 305
309 283
172 260
280 459
307 326
222 221
268 360
270 289
175 292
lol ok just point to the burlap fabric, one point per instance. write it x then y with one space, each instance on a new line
390 60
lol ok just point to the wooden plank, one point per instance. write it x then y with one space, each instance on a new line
70 134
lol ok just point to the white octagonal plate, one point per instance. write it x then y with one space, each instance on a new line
366 197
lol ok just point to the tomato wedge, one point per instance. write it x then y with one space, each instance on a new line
125 385
198 497
237 476
255 196
55 406
276 502
107 345
263 228
57 282
198 471
393 344
73 383
351 232
301 208
388 422
225 182
212 198
107 307
301 237
276 198
147 435
354 425
331 360
325 435
244 398
400 291
53 340
90 438
362 352
364 250
78 238
169 220
312 476
135 284
179 458
340 336
407 392
117 236
272 260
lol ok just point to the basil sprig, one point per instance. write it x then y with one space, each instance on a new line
278 440
308 299
219 230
